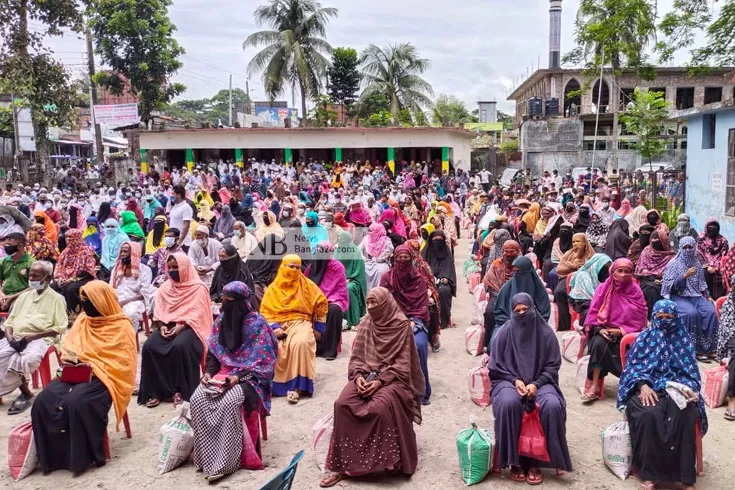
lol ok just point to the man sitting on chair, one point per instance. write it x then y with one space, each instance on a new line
36 320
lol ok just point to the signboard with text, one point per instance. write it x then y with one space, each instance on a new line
117 115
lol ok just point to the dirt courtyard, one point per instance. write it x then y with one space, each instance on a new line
133 462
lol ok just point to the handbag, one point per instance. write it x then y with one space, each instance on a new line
532 441
79 373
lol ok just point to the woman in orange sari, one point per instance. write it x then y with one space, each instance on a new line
173 353
296 309
70 420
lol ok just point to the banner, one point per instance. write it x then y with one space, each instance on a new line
117 115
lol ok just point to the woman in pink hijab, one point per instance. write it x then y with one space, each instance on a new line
625 208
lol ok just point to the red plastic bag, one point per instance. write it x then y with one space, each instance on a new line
532 441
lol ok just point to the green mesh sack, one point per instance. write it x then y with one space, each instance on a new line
475 448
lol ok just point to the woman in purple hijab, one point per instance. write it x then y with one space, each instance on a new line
524 371
618 308
329 275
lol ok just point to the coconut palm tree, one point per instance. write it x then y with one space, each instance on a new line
294 50
396 72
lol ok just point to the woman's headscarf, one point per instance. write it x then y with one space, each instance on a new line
712 247
107 343
582 222
149 210
683 228
51 231
694 285
155 239
226 222
440 259
75 259
270 228
185 301
584 282
407 287
399 226
40 247
653 262
9 226
118 272
316 233
132 206
293 297
636 219
91 235
333 280
429 229
242 340
359 216
525 280
531 216
76 217
205 211
525 347
625 208
203 197
597 231
618 239
498 240
576 257
130 225
377 240
105 212
231 269
351 258
111 243
619 304
663 352
385 344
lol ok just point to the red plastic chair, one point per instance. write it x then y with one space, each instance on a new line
263 423
106 439
625 345
146 324
44 370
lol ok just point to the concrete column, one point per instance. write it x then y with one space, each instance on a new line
189 159
143 161
338 154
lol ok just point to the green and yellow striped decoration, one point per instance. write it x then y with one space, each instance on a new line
288 155
445 159
338 154
238 158
143 161
392 160
189 159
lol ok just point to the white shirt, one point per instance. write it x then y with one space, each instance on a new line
484 176
181 213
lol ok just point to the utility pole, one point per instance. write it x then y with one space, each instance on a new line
16 137
247 93
99 149
230 99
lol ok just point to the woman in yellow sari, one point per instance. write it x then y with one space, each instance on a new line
102 337
155 238
296 309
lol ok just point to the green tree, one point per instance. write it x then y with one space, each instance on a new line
680 26
449 110
294 50
27 70
135 39
509 146
507 120
396 72
323 115
344 79
7 129
212 110
645 118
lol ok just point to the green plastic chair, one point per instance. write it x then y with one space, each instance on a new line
284 479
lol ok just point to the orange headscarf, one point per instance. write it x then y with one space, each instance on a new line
107 343
186 301
51 232
292 296
118 270
532 216
447 207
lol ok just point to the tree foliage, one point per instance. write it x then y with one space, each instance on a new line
507 120
395 72
7 129
208 110
27 70
645 117
509 146
136 40
294 50
344 79
323 115
448 109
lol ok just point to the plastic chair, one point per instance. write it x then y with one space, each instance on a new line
718 305
284 479
106 439
44 370
573 314
625 345
146 324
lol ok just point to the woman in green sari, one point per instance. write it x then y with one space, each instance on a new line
351 257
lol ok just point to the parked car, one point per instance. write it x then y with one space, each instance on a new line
506 180
656 167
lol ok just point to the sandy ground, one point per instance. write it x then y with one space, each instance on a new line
134 460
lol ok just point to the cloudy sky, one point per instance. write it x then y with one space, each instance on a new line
479 49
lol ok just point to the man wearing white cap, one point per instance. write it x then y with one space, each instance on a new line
204 254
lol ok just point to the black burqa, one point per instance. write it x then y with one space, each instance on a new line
265 259
441 261
229 270
583 220
526 349
525 280
618 239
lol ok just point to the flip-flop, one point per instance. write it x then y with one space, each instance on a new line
20 404
517 474
152 403
730 415
331 480
587 398
292 397
535 477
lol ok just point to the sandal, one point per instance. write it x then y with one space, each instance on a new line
517 474
152 403
292 397
213 478
20 404
647 486
535 477
730 415
331 480
704 359
588 398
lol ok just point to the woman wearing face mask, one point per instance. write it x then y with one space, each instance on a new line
156 237
52 233
129 225
132 281
313 231
75 268
439 257
111 243
524 371
91 235
231 268
562 244
618 240
583 219
683 228
685 285
101 337
657 421
585 281
712 248
171 356
570 263
377 249
618 308
596 232
640 243
297 311
268 226
651 266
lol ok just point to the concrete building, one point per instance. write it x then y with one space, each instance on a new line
710 184
180 147
487 111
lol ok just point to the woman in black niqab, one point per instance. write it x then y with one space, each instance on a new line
229 270
524 371
583 220
618 239
436 253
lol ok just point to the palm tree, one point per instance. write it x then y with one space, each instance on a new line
396 73
294 51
